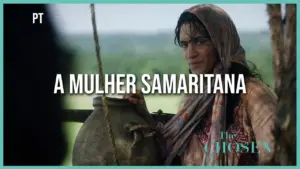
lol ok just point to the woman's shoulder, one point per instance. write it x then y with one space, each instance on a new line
256 89
258 95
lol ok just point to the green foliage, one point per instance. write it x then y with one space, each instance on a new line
156 54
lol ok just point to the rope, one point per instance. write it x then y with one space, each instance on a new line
101 78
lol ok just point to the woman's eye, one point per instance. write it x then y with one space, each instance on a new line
184 45
201 41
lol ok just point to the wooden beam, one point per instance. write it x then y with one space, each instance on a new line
80 115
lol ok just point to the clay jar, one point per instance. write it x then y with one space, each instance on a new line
136 140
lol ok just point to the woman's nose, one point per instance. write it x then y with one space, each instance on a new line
191 50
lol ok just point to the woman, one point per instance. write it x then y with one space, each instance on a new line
211 44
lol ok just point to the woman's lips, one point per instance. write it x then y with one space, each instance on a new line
195 64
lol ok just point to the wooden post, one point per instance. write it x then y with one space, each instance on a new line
284 52
276 30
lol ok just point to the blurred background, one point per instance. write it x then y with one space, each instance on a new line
139 39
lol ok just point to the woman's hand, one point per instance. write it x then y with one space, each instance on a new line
138 100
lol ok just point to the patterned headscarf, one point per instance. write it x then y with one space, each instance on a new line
179 129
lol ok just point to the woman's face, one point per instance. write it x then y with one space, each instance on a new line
198 49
